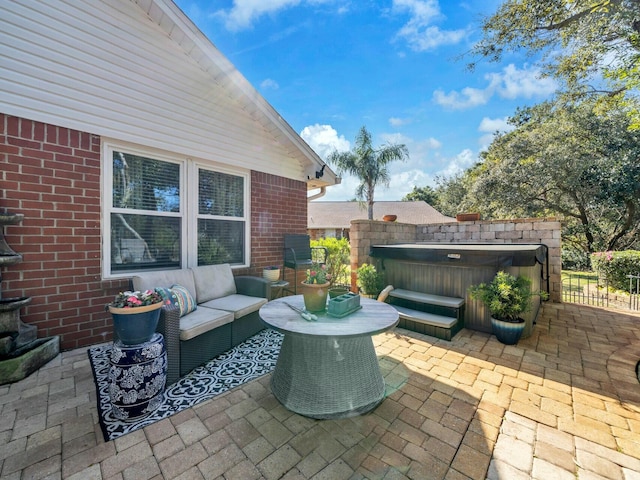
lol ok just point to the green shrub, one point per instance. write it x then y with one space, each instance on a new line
339 258
370 281
613 267
507 297
574 259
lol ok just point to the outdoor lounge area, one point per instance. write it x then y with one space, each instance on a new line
563 403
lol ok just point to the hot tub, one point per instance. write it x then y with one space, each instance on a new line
449 269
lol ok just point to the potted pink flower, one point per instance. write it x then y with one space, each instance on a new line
316 287
135 315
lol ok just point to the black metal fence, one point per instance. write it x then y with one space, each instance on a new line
585 288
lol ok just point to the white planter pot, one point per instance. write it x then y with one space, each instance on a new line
271 275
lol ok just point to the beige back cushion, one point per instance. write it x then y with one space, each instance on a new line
213 281
166 278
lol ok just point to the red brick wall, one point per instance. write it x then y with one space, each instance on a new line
52 176
278 206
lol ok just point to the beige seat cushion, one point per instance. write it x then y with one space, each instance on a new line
213 281
240 305
202 320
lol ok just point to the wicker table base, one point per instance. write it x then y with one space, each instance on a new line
328 377
328 368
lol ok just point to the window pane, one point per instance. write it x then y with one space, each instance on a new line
220 194
220 241
145 184
144 242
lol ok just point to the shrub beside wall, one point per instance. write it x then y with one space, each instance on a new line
613 267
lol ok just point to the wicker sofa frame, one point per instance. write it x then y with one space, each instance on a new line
185 355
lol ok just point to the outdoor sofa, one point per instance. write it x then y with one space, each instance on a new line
212 311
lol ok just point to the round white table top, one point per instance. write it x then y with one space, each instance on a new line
374 317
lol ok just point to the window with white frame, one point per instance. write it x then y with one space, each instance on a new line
167 213
221 218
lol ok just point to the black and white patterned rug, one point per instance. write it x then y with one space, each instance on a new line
251 359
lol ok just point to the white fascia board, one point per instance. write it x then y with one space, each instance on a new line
233 78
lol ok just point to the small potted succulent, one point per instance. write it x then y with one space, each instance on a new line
506 297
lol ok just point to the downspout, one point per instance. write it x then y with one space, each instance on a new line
321 193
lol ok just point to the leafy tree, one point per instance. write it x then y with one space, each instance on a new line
590 47
422 194
567 161
452 193
368 164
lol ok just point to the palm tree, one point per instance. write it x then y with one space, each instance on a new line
368 164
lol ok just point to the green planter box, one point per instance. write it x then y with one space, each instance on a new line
343 305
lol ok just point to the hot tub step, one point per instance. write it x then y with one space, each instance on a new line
437 326
436 315
426 318
440 300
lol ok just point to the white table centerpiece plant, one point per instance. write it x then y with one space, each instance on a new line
315 288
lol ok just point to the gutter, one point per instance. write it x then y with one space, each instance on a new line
321 193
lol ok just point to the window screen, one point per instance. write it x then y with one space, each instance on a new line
145 232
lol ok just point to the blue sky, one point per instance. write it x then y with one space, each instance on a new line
331 66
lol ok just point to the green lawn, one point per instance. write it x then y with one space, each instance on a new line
574 281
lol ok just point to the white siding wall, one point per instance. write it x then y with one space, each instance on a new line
108 69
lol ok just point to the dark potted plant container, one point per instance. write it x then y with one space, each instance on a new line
507 297
337 290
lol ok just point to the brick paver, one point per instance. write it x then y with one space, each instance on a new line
563 403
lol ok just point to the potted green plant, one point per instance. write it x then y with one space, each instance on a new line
370 281
337 262
506 297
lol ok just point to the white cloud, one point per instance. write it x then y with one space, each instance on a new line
513 83
510 83
396 138
398 122
490 126
465 159
344 191
269 84
419 32
244 12
324 139
419 151
401 184
467 98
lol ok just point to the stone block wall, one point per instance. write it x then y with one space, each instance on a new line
545 231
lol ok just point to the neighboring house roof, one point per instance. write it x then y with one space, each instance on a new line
324 215
142 72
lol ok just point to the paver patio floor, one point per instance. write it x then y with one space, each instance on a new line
564 403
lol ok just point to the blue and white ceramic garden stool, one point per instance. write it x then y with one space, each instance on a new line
137 377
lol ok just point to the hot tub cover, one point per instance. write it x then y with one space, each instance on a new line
487 254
